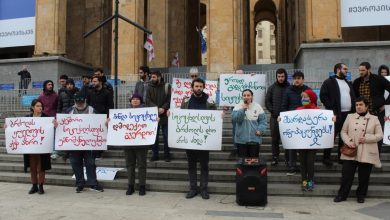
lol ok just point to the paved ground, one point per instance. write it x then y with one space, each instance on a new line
63 203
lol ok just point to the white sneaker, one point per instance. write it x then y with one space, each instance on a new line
54 156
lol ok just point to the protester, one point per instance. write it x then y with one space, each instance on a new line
38 163
65 100
159 95
142 85
99 72
62 84
199 101
251 123
49 99
85 89
361 130
135 156
273 102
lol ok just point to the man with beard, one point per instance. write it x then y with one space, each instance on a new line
142 85
49 99
158 95
200 101
62 83
273 102
65 99
337 95
99 72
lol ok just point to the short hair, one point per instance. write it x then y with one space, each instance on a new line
281 70
383 67
99 69
362 99
239 71
99 78
247 90
157 73
64 76
86 76
34 102
145 69
199 80
337 66
298 74
366 64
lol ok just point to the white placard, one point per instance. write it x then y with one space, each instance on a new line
181 88
307 129
232 85
195 129
29 135
81 132
386 132
132 127
355 13
103 173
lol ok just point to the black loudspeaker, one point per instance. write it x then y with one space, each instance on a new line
251 182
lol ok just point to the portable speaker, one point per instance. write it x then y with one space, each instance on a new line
251 182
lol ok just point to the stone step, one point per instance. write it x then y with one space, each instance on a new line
329 190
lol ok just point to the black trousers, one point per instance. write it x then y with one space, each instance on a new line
337 132
347 176
274 126
201 156
307 158
248 150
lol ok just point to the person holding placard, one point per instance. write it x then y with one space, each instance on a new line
361 130
38 163
251 123
136 155
198 100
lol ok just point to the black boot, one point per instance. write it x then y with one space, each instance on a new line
130 190
40 190
33 189
142 190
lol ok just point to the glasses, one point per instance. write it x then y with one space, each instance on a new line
194 76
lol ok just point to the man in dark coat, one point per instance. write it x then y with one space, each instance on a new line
159 94
273 102
337 95
25 79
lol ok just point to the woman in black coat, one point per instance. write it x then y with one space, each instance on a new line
38 163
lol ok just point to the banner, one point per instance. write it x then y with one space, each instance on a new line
29 135
195 129
356 13
132 127
386 132
231 86
307 129
181 88
103 173
81 132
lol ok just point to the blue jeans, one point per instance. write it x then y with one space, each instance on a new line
155 147
80 158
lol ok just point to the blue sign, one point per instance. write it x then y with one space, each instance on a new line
27 99
78 83
8 86
112 82
11 9
349 75
317 91
37 85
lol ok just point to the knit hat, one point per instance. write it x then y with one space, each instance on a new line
135 95
70 81
312 95
78 97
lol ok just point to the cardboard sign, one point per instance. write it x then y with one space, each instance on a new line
103 173
132 127
307 129
81 132
29 135
181 88
232 85
386 132
195 129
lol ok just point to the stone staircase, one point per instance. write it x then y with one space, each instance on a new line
172 176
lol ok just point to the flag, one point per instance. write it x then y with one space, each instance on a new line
175 61
203 43
149 47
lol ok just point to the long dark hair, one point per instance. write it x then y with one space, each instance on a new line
33 103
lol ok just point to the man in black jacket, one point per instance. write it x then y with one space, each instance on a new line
25 79
99 97
273 102
372 87
337 95
198 100
159 94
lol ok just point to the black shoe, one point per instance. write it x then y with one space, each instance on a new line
338 199
167 158
154 159
360 200
142 190
97 188
204 194
191 194
327 162
233 155
40 189
274 162
79 189
130 190
33 189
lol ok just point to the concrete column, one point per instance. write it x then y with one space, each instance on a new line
177 30
50 31
158 23
323 20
